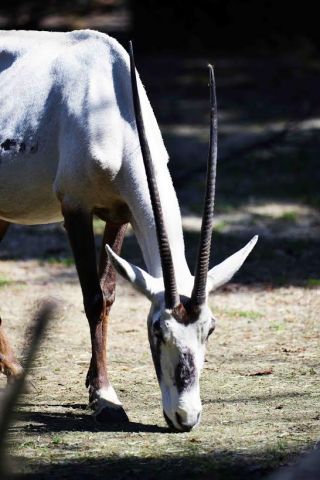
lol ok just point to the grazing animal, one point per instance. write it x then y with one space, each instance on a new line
77 139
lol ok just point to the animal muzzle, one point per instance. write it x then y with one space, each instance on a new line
185 415
183 421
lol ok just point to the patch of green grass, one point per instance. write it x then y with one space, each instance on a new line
98 226
4 282
225 206
220 226
277 327
65 261
249 314
291 216
56 440
281 445
313 283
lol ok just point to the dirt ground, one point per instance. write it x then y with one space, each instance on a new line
260 384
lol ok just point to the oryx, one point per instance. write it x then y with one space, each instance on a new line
79 138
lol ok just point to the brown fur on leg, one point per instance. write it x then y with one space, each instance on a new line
113 235
79 226
9 365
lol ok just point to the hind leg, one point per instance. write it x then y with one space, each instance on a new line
9 365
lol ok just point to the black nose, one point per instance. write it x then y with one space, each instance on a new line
184 427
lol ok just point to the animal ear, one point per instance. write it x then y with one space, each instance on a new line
222 273
140 279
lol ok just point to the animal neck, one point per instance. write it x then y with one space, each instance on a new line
144 225
132 184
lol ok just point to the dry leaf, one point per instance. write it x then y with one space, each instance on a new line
260 372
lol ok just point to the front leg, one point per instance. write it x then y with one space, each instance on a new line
78 224
113 235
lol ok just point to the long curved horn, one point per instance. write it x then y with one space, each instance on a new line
198 296
171 293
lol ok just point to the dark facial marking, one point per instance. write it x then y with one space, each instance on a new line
7 144
186 312
185 373
155 345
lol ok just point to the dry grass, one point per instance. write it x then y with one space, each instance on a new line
250 424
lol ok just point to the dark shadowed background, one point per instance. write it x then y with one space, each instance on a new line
204 25
266 56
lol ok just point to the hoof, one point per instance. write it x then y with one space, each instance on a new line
106 406
111 415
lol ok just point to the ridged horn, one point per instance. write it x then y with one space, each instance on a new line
171 293
198 296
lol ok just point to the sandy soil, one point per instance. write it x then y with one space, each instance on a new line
250 423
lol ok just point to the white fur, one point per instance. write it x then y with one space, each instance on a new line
105 398
109 395
222 273
70 93
179 338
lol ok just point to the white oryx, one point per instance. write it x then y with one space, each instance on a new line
71 148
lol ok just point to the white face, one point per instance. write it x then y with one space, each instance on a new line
178 345
178 351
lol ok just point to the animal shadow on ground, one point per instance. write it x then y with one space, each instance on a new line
216 466
46 422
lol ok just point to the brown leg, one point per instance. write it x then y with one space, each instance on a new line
8 363
103 398
113 236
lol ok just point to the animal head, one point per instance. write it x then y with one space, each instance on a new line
180 322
